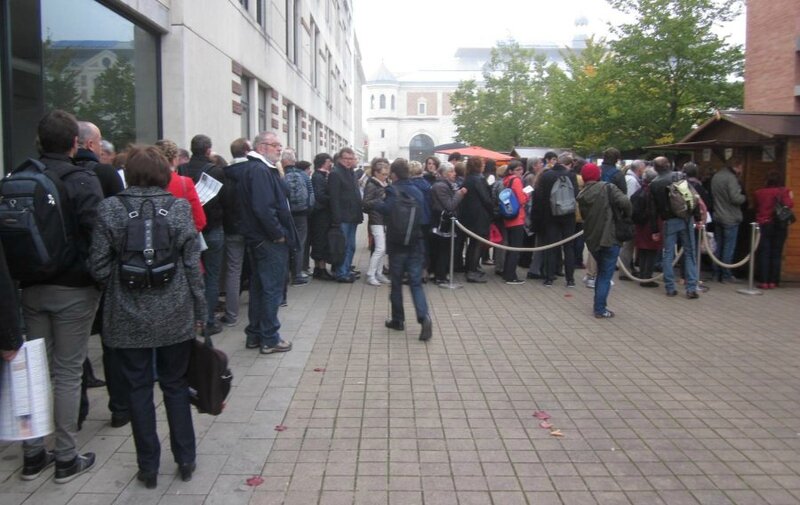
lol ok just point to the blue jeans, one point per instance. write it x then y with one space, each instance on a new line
411 260
212 261
171 362
349 230
679 229
269 264
606 258
726 235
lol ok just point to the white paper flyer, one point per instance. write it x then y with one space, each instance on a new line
26 397
207 188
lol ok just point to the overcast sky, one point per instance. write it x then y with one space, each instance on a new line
424 34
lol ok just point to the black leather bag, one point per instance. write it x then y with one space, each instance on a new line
784 216
209 377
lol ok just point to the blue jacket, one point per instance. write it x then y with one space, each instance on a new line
412 190
264 200
425 187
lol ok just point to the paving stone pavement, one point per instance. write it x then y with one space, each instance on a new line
673 401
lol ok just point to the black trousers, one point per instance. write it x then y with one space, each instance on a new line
171 363
556 229
516 236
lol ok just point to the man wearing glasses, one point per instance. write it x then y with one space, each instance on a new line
269 233
345 207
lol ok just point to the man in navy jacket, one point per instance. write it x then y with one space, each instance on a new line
269 233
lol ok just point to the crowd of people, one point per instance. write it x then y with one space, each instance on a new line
272 215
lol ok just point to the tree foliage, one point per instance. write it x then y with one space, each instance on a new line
506 110
662 74
112 106
60 90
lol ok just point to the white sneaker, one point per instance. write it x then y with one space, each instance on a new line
588 281
372 281
383 279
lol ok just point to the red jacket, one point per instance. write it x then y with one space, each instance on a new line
765 202
183 187
515 183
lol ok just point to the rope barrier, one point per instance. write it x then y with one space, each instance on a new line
729 265
516 249
627 272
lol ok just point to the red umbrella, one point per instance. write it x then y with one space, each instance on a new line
478 151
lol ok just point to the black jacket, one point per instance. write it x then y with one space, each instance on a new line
231 201
10 332
213 208
84 194
476 208
345 197
264 201
106 174
319 181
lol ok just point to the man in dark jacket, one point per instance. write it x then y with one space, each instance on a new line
674 229
320 217
269 233
555 228
406 259
213 233
62 308
609 171
88 155
231 224
345 207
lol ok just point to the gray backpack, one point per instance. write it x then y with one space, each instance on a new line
562 197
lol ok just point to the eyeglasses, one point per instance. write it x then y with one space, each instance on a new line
272 144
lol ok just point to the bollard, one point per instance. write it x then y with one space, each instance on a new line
698 257
451 284
750 289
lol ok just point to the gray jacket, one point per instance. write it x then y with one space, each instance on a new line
148 317
728 198
374 193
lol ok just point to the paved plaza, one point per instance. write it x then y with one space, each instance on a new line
673 402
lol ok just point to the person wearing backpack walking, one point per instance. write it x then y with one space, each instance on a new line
554 215
60 306
151 314
403 208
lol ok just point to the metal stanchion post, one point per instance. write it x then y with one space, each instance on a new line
750 289
451 284
698 256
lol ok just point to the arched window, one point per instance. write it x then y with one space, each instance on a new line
383 102
372 101
392 102
420 147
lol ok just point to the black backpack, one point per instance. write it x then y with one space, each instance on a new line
36 223
149 255
404 223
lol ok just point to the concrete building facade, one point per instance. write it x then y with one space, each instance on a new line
149 69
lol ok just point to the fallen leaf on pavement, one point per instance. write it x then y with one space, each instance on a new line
545 425
254 481
541 414
320 369
556 433
280 427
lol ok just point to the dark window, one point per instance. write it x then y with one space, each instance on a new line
245 101
383 133
262 109
383 102
392 102
94 63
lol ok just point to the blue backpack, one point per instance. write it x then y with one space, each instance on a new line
508 205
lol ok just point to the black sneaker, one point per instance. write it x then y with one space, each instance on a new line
394 324
570 284
35 465
186 470
300 281
69 470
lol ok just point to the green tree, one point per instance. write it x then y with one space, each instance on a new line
60 89
672 69
508 109
586 112
112 106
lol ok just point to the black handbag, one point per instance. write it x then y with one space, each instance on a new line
208 376
784 216
623 225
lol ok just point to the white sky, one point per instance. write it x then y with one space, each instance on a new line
424 34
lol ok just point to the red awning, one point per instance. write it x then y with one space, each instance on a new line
478 151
